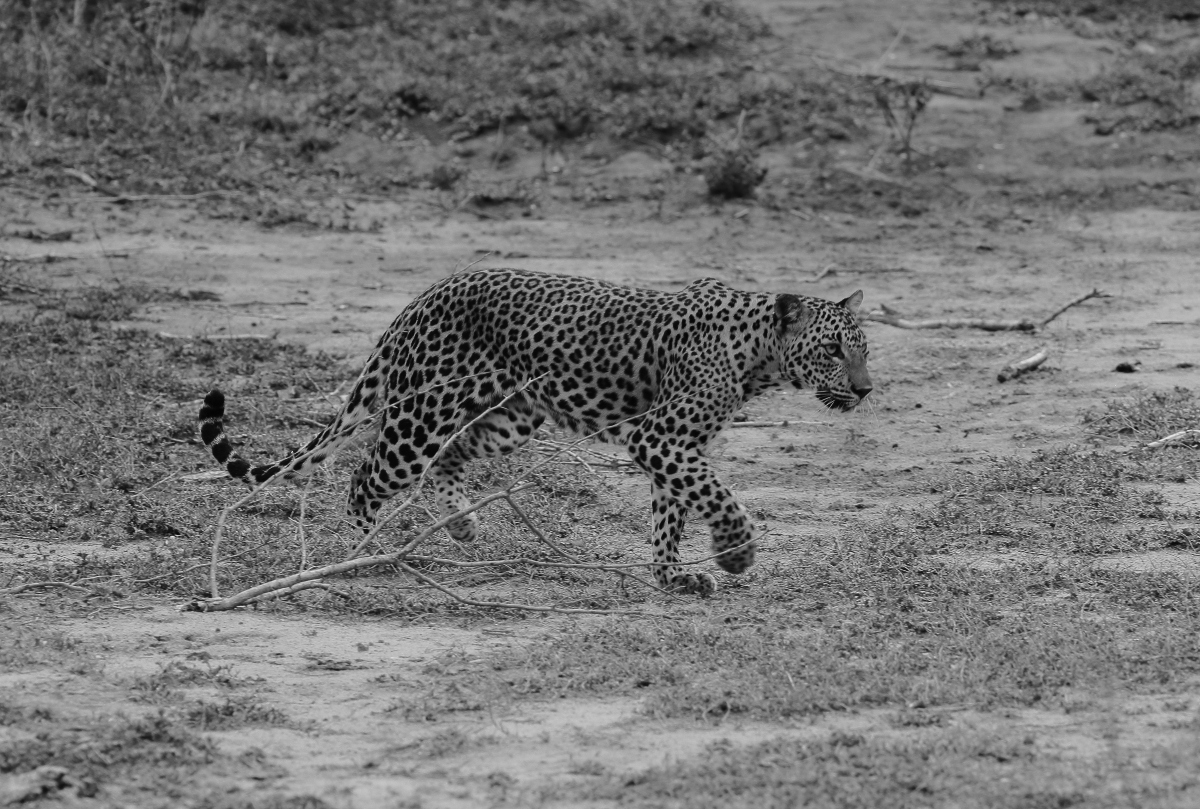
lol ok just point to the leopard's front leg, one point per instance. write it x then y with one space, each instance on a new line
682 478
667 520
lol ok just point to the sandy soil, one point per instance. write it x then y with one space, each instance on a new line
937 401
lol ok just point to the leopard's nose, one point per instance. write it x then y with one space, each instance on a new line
863 391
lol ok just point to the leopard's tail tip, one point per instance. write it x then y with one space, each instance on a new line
214 405
212 433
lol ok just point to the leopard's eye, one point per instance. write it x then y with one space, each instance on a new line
833 349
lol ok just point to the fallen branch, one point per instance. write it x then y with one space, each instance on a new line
1013 370
893 318
166 335
828 269
90 182
38 235
951 323
288 584
33 585
115 195
573 562
784 423
573 565
509 605
307 579
1095 293
1174 438
40 258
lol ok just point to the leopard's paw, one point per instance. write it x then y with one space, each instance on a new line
701 584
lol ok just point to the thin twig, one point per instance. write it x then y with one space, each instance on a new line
1173 438
893 318
573 565
784 423
346 430
508 605
300 523
172 476
62 585
254 593
1095 293
828 269
187 570
574 562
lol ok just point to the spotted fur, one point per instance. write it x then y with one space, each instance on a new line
659 372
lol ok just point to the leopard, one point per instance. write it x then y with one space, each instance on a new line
474 366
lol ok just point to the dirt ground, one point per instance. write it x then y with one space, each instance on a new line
970 251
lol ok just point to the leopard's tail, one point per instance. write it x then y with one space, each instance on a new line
299 463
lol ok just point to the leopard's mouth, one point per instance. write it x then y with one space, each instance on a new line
837 401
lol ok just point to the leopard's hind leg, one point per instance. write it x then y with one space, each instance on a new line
420 434
500 432
411 433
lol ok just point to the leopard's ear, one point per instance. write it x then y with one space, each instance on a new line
852 303
790 313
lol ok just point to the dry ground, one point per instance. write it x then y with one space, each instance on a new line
1029 209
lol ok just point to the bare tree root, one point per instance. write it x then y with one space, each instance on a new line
891 317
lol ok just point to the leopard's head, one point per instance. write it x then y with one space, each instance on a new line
823 348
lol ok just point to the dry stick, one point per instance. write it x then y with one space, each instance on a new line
169 477
300 522
20 588
892 318
829 268
574 565
577 461
784 423
346 430
198 566
951 323
286 582
1172 438
574 561
215 603
308 585
166 335
1095 293
514 605
1013 370
559 448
